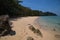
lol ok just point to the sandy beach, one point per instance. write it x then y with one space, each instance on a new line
21 26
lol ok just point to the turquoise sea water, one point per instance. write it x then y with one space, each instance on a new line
49 22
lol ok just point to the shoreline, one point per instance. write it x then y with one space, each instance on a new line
23 32
46 28
52 32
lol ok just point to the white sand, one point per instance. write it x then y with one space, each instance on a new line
23 32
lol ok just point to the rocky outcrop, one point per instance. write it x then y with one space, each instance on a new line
5 26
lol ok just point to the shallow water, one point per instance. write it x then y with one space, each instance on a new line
49 22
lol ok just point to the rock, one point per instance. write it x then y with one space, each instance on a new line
5 24
30 38
12 33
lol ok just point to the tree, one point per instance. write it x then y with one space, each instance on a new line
9 7
14 9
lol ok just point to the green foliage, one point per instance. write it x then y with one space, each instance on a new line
9 7
25 11
14 9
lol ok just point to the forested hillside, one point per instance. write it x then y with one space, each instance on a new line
14 9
